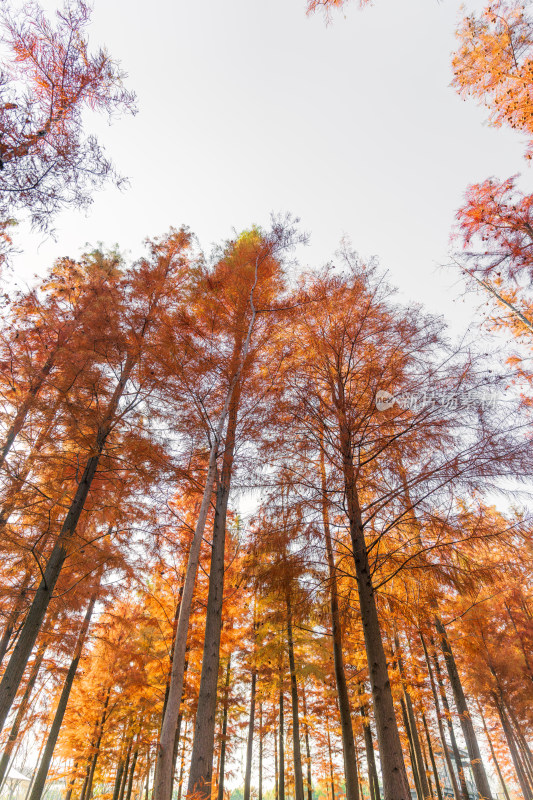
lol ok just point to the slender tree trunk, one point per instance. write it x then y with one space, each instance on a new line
163 771
118 778
493 754
395 783
250 742
132 774
414 764
72 782
445 751
182 769
331 778
44 766
260 789
527 662
411 725
34 619
276 775
17 722
515 755
222 768
89 786
348 743
476 763
373 780
297 754
125 774
163 776
14 615
200 774
438 787
281 790
307 747
449 721
27 404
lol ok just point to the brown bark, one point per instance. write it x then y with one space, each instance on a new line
432 759
260 788
44 765
395 783
201 769
493 754
515 755
222 766
281 785
451 731
445 751
250 741
476 763
88 789
348 743
17 722
297 754
307 747
412 729
373 780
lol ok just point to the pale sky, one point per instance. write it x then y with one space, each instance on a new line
250 106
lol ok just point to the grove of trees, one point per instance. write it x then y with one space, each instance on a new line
367 630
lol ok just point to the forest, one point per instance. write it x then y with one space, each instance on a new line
264 526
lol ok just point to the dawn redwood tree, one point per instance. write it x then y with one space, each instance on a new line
257 254
155 282
494 64
47 160
356 364
48 333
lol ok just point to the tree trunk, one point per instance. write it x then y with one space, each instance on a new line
395 783
220 793
515 755
445 751
260 789
44 766
373 780
411 725
307 748
17 722
125 774
118 779
331 779
348 743
449 721
132 774
34 619
438 787
27 404
182 769
163 772
100 732
297 755
250 742
281 790
412 756
478 770
14 615
493 754
276 776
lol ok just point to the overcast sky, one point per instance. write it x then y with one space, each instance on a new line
250 106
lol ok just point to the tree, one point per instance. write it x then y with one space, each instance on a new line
47 162
494 64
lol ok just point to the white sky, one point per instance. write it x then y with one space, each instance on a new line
250 106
